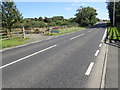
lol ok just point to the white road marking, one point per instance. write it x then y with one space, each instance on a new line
89 68
49 38
90 31
77 36
104 36
27 56
104 69
97 52
100 45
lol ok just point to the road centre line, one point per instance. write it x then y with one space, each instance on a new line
97 52
100 44
27 57
89 68
77 36
90 31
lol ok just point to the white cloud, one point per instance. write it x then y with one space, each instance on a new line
68 9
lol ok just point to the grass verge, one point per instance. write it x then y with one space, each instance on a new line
64 31
114 33
12 42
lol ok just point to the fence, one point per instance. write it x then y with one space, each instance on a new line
20 32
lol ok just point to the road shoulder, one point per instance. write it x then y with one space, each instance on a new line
111 79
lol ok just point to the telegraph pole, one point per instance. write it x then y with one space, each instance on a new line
114 14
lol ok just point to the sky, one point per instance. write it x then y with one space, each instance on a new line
66 9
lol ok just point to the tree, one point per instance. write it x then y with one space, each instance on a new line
51 24
57 18
47 20
117 11
86 16
10 15
41 19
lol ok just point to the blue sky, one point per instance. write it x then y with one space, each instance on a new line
66 9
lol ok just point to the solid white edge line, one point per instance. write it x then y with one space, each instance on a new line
89 68
27 57
104 69
104 35
96 53
100 44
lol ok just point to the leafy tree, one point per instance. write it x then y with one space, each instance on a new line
47 20
10 15
117 11
38 24
35 19
41 19
52 24
86 16
57 18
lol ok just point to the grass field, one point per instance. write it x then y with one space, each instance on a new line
64 31
114 33
12 42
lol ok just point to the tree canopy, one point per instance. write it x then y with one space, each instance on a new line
86 16
117 11
10 14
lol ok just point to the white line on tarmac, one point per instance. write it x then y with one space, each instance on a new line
97 52
27 56
104 35
89 68
100 44
90 30
104 69
77 36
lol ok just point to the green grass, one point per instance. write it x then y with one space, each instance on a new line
64 31
12 42
114 33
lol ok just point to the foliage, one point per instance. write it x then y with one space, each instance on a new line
57 18
47 20
114 33
10 15
41 19
13 19
51 24
86 16
110 6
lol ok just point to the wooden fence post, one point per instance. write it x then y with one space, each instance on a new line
24 32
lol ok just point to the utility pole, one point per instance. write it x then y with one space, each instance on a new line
114 14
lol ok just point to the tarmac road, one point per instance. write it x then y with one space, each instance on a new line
65 61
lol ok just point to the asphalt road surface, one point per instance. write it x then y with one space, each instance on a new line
65 61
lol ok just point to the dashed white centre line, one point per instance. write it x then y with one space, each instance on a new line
89 68
27 56
100 45
77 36
97 52
90 31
